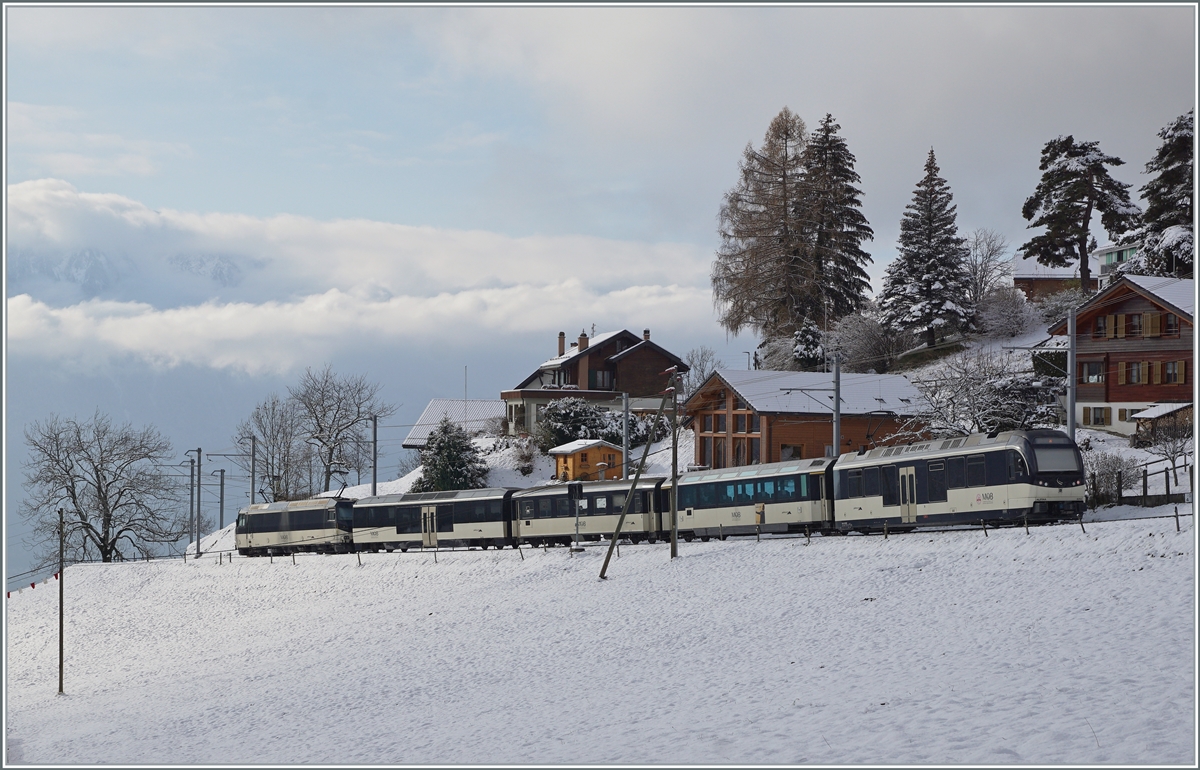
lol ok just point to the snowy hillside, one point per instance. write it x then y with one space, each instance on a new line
1052 647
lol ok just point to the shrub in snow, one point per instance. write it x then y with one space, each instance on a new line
1101 472
866 345
450 460
570 419
1005 313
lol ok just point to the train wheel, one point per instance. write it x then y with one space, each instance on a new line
689 537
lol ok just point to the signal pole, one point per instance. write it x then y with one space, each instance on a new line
199 476
375 452
674 465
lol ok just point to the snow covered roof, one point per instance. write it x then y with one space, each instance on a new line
471 415
581 444
599 339
1031 268
812 392
1161 410
1179 292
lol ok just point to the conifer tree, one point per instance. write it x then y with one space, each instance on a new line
833 225
925 287
762 279
1074 184
1166 240
450 460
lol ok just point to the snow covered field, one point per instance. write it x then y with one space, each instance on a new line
1051 647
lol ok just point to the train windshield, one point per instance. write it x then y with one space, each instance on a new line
1056 459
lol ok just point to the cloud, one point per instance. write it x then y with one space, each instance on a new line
277 337
47 139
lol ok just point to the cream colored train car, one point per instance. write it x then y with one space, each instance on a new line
317 525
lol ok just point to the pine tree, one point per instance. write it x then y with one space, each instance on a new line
762 279
1167 241
1075 183
833 225
450 460
925 287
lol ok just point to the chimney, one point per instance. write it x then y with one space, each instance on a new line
562 343
646 335
583 340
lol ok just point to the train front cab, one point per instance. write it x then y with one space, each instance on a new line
315 525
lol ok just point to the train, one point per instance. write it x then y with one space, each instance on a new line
998 479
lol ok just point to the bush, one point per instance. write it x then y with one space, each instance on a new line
1101 470
1005 313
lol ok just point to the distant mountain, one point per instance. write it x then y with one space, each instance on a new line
220 268
94 271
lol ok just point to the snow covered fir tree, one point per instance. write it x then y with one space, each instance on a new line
1166 239
1075 183
791 260
925 287
450 460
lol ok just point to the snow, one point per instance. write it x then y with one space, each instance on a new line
1049 647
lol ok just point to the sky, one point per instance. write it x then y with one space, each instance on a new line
201 202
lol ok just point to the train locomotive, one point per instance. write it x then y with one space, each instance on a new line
1006 478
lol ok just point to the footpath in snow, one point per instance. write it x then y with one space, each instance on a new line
938 648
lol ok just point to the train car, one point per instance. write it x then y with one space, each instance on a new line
463 518
546 515
789 496
1000 478
317 525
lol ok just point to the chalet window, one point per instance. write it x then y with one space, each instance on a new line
706 450
1170 325
754 451
790 452
739 451
583 457
1171 371
1136 373
1100 330
1133 325
720 423
738 403
739 423
1092 371
708 423
718 453
754 423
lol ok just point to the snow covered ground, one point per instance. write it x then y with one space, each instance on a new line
1052 647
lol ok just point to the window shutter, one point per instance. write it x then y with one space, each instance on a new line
1144 374
1110 326
1121 325
1121 372
1087 415
1181 367
1153 324
1157 372
1108 415
1123 414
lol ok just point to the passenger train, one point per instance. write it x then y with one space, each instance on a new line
1008 478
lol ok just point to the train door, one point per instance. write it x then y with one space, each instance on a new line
908 494
429 528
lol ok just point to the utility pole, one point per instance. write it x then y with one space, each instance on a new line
191 494
375 452
625 437
674 465
62 537
221 505
199 476
837 413
1071 375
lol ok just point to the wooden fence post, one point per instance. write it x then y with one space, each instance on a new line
1145 486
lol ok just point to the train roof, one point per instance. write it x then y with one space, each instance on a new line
419 497
813 464
947 446
317 503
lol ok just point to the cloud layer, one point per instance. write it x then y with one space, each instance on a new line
266 294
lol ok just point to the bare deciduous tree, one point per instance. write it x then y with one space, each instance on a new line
866 344
987 263
119 502
1170 438
335 412
702 362
1005 313
282 456
977 392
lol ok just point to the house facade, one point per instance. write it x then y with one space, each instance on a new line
1133 349
598 369
1037 280
587 460
1111 257
750 417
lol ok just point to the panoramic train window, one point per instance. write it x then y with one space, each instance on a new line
599 506
445 518
870 482
1056 459
544 504
562 507
529 509
618 500
956 472
408 520
936 482
854 483
975 474
891 485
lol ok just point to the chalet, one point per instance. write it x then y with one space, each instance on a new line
473 416
1133 349
748 417
1038 281
587 460
599 369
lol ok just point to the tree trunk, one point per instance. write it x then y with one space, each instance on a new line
930 337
